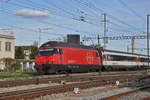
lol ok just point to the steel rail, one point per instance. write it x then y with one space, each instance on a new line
114 97
32 93
12 83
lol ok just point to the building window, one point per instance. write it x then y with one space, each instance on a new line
8 46
0 45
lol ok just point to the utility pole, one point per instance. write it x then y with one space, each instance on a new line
148 39
132 44
39 43
98 40
105 30
40 31
127 48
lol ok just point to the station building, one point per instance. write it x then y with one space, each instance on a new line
7 46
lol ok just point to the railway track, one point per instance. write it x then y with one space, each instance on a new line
37 92
133 94
114 97
20 82
148 98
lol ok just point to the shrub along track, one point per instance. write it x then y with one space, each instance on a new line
32 93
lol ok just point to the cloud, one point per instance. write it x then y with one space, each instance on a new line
28 13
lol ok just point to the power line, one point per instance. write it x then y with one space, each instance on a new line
48 9
32 30
59 25
94 12
39 8
84 3
119 37
90 4
64 27
83 32
131 10
70 13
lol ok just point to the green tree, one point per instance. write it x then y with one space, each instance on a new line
19 53
34 50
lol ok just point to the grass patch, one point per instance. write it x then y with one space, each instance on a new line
8 75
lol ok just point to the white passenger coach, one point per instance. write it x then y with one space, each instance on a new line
123 60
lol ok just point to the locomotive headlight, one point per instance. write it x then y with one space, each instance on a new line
37 63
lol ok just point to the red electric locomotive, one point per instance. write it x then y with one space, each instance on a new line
53 57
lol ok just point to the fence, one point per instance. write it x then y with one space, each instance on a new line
26 65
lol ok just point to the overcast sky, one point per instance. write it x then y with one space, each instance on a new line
61 17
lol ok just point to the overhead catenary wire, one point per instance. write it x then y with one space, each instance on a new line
92 6
64 27
50 33
131 10
90 19
60 26
39 8
32 7
66 12
97 11
87 32
71 14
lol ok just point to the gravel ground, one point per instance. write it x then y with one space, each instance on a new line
95 93
86 94
98 93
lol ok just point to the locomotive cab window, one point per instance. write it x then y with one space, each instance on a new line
46 52
60 51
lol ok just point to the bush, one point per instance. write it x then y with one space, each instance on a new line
10 65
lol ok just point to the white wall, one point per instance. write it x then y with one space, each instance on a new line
3 52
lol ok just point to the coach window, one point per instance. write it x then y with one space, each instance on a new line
123 58
143 59
132 58
105 58
111 58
